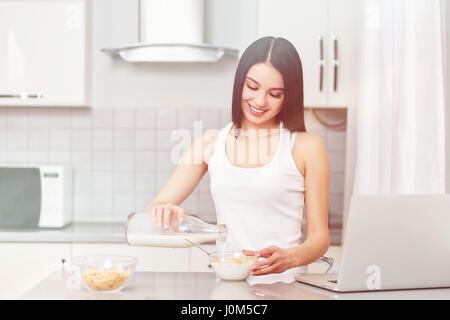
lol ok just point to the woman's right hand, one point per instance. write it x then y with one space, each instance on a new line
162 214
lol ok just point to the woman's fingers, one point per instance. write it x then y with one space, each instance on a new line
159 215
162 215
166 216
266 270
250 252
264 263
180 214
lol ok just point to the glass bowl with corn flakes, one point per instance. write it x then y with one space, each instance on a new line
231 265
105 273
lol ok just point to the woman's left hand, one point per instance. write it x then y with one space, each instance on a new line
276 260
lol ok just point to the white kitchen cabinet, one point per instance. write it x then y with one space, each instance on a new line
325 33
199 261
44 57
25 264
148 258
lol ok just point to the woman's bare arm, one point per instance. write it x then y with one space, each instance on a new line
317 186
183 181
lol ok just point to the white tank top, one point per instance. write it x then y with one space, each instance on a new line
261 206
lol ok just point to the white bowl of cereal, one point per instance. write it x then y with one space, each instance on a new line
232 265
105 273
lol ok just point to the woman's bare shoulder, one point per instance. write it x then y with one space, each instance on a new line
308 148
309 141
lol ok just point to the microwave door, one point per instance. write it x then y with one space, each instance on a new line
20 197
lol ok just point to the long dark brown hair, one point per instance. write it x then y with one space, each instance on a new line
283 56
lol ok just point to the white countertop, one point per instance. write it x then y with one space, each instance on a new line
204 286
75 232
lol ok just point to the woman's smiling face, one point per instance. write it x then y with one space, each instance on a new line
263 93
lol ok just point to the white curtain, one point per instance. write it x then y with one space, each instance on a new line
400 120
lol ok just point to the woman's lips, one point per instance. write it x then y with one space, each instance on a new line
255 111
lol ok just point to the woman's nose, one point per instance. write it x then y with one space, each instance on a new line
260 99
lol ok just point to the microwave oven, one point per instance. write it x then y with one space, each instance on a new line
35 196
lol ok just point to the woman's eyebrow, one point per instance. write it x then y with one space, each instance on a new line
258 84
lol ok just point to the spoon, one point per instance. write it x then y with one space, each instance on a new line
196 245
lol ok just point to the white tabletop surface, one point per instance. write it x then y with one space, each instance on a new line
204 286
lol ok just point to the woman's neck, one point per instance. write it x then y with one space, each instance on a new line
268 125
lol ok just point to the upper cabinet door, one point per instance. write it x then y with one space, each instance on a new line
304 23
326 35
43 53
343 53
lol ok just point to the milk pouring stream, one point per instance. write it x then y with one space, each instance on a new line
141 230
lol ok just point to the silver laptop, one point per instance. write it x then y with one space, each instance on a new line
392 242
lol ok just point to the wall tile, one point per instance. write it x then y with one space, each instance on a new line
123 205
145 160
38 118
186 118
17 118
124 160
81 118
38 157
210 118
164 161
142 199
17 139
145 139
3 117
124 118
60 139
60 118
203 186
102 206
39 139
82 160
17 157
225 116
161 178
3 138
82 204
81 139
102 139
145 118
145 181
102 181
60 157
82 181
124 181
124 139
166 118
164 139
103 118
190 204
102 160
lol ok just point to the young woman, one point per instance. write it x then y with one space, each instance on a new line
264 167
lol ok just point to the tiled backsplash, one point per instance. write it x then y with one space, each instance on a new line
122 156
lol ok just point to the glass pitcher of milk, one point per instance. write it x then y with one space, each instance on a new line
141 230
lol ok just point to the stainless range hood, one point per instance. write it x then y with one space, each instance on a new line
171 31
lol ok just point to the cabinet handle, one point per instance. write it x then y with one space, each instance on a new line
321 63
335 63
22 96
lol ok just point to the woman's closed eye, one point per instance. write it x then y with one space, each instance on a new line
273 95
